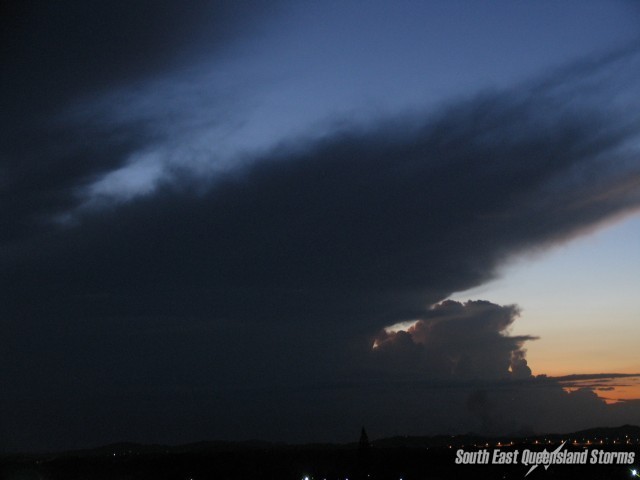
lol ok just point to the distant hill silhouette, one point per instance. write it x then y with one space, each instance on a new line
473 439
129 448
383 459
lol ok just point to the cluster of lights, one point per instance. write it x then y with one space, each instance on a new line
583 441
306 477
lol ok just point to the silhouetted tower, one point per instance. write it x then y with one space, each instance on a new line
363 445
363 455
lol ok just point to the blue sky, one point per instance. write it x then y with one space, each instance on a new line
580 298
314 67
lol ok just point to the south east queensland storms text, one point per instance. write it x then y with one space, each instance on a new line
528 457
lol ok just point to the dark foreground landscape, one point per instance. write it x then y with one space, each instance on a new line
404 458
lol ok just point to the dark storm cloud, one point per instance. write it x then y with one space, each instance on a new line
59 50
372 226
60 55
601 382
201 298
593 376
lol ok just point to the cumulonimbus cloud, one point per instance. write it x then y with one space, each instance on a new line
456 340
287 268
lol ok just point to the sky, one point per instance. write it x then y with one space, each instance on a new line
231 220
